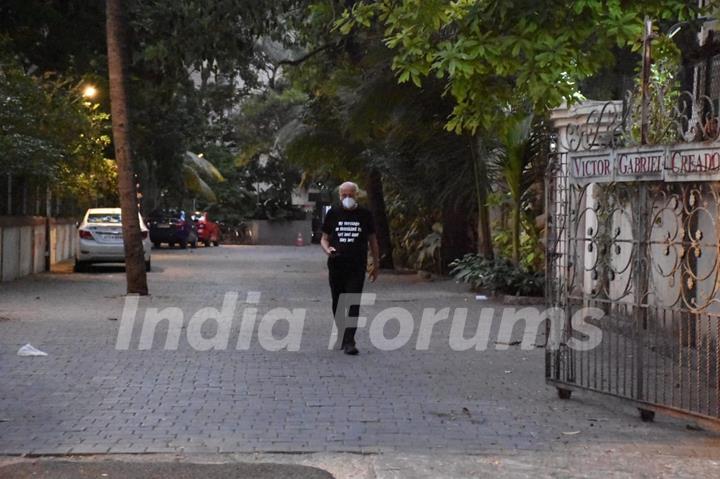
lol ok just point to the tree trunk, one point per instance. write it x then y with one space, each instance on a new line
132 237
516 234
456 242
485 247
377 207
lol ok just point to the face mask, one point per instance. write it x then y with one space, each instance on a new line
348 203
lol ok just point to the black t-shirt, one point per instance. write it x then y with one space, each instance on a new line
348 231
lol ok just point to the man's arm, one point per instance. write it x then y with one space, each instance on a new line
325 243
375 252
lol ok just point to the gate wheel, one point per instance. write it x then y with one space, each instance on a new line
564 393
647 415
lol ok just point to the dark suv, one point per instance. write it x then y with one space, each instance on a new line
171 226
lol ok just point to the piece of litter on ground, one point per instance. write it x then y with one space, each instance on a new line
571 433
508 371
481 297
30 350
112 319
2 419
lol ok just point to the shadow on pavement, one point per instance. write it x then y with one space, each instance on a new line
49 469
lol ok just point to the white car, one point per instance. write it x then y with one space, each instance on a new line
101 241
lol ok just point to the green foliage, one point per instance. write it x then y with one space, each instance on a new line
274 181
215 39
531 249
50 135
259 179
428 251
497 275
664 94
358 117
520 162
190 63
199 174
351 96
235 202
323 142
63 36
197 186
203 167
258 188
495 56
261 168
415 233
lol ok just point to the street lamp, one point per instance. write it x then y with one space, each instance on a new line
89 91
675 29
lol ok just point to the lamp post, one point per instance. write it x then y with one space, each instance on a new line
645 89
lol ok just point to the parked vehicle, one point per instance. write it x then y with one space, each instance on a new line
170 226
101 240
208 231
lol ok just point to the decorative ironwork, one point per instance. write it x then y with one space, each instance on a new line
613 125
634 230
647 253
679 229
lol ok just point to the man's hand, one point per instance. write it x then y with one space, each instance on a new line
373 271
375 252
325 243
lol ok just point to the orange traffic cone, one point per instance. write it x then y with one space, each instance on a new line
299 240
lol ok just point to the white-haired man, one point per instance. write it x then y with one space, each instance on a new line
346 233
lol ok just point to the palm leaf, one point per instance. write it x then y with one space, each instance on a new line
202 166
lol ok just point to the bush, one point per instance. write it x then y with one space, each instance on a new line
497 275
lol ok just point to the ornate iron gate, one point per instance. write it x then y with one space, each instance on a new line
634 232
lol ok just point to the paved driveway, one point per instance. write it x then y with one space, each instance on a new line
88 397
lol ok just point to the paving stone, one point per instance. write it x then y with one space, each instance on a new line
87 397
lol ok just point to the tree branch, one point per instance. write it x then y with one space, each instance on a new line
307 56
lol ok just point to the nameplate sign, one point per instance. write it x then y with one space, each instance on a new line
693 163
687 162
591 167
639 164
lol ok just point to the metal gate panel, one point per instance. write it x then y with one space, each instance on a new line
646 254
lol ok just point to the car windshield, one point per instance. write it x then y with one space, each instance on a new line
104 218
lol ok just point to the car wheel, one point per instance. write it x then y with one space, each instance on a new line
217 242
207 243
148 266
183 245
80 266
156 245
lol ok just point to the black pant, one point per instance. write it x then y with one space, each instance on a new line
346 278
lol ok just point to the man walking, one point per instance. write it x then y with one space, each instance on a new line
346 232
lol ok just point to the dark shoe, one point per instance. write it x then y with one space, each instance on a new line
350 349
